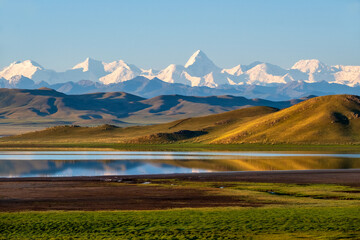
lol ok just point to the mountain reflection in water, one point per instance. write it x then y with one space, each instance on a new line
33 164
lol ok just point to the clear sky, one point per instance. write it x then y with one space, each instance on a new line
154 33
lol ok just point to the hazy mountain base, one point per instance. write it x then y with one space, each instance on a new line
147 88
322 120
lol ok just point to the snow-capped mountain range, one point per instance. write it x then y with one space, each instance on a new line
199 70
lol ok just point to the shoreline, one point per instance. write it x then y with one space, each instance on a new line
318 176
168 191
24 146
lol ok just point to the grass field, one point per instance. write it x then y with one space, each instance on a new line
225 223
284 211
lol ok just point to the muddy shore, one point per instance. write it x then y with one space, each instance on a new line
130 192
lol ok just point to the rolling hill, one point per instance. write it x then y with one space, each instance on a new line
205 128
44 107
333 119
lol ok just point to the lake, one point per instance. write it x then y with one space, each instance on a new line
100 163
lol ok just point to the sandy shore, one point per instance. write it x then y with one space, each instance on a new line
127 192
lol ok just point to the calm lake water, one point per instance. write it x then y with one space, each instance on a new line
96 163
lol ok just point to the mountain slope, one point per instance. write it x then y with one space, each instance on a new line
200 65
120 71
49 105
329 119
29 69
184 129
172 107
91 69
46 107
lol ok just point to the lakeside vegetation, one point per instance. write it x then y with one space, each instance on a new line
223 223
349 148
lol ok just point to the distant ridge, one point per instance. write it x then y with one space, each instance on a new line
147 88
47 107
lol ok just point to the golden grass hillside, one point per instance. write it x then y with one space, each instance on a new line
199 129
333 119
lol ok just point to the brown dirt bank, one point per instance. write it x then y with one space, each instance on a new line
126 192
349 177
78 195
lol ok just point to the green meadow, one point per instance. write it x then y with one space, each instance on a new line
225 223
284 211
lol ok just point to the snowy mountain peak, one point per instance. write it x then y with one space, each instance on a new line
30 63
26 68
25 64
199 64
111 67
198 55
89 64
310 66
235 71
269 68
119 71
171 67
198 71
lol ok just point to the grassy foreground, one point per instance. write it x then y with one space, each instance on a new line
287 211
226 223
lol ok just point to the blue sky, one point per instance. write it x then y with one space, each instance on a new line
154 33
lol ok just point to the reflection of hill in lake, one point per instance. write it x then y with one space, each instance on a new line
261 164
15 168
44 168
